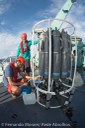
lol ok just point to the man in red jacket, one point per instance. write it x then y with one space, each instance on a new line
11 80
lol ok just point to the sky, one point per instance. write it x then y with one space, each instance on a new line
17 16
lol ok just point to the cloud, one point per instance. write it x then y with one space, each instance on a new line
4 6
77 18
2 23
76 15
52 10
9 43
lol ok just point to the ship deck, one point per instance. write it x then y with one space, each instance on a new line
13 112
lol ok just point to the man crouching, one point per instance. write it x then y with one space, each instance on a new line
11 80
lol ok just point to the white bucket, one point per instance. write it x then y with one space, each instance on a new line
29 98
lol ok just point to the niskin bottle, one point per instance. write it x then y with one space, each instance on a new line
44 55
69 54
64 55
56 54
46 52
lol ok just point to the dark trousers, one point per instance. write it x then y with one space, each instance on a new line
27 66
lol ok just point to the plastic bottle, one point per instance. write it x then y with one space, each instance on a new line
28 96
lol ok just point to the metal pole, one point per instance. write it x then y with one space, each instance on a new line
50 59
49 71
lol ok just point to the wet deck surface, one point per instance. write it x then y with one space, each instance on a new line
78 105
14 112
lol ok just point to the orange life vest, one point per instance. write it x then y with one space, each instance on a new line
15 72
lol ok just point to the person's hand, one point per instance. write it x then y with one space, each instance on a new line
35 78
23 80
25 83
